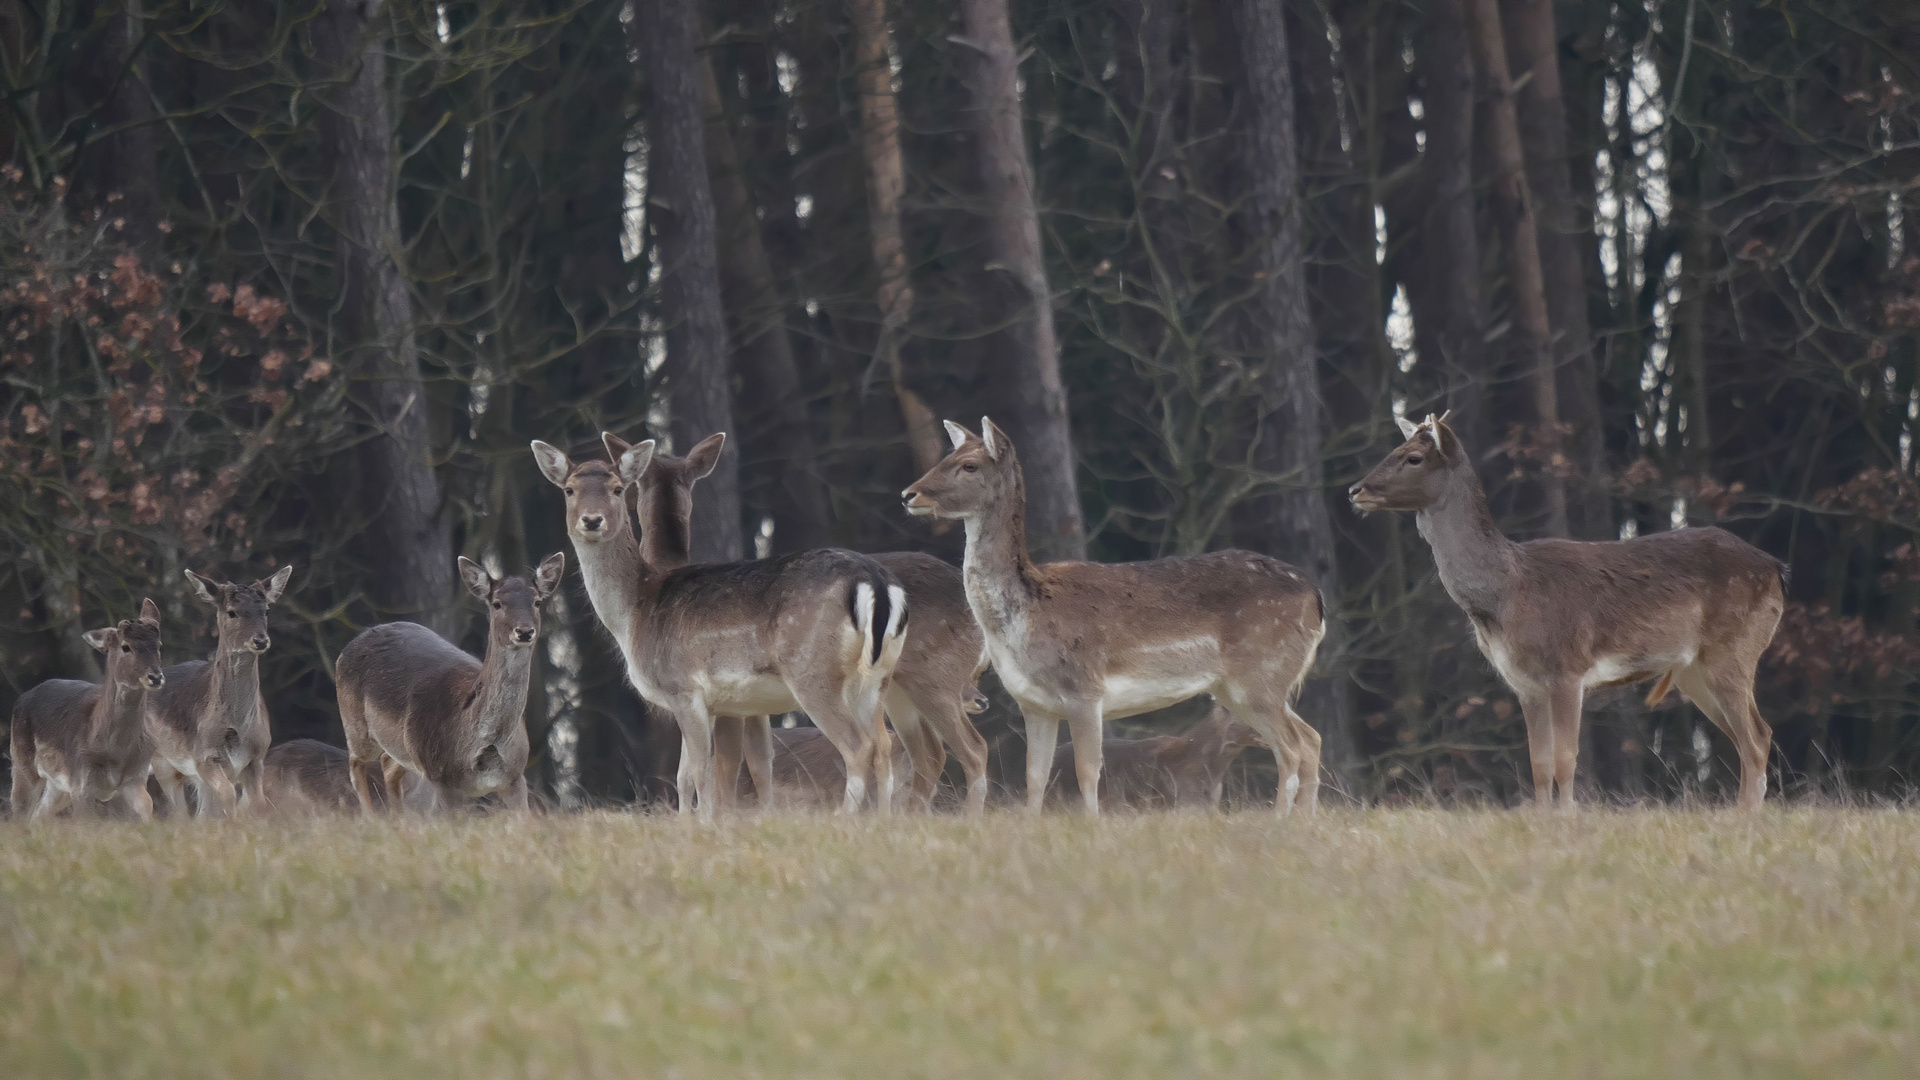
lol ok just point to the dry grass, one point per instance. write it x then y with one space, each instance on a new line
1377 944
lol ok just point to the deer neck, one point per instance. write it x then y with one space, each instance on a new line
500 697
233 690
998 572
1476 561
620 584
119 714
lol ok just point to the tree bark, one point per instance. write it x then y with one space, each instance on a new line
680 205
1534 46
1023 367
1278 334
407 542
775 437
1513 209
125 165
880 143
1452 243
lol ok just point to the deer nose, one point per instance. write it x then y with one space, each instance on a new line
592 522
523 634
1358 485
156 680
261 643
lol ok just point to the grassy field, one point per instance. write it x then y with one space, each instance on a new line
1403 943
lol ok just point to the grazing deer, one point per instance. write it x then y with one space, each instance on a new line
817 630
1693 607
87 742
1189 769
209 725
1084 642
458 723
307 776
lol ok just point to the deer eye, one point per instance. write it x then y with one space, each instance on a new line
231 614
569 493
497 605
969 467
126 648
1415 459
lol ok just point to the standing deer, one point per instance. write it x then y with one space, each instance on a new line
817 630
1084 642
1184 770
87 742
209 725
411 695
1694 607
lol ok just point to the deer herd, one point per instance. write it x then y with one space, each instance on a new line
871 647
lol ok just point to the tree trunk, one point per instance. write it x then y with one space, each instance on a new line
680 205
407 541
1513 209
775 438
1278 336
1022 368
880 142
1452 242
1534 45
125 165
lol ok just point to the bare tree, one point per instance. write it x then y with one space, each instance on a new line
407 537
1024 373
880 143
700 399
1513 209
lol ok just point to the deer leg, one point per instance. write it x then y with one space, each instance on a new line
515 797
1306 770
757 732
728 750
925 755
215 789
959 734
1727 699
1086 725
362 751
393 783
1568 699
133 798
696 749
253 793
1537 707
173 789
1043 733
52 800
882 760
851 731
683 782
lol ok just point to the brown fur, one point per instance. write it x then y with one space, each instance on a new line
1695 607
1162 771
87 742
459 724
209 724
818 630
808 772
306 777
1084 641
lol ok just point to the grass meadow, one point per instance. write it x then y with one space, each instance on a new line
1382 943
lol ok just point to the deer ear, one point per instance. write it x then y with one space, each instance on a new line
149 612
547 578
1445 441
478 581
702 458
99 639
633 461
1407 427
553 464
615 446
957 433
204 588
276 584
996 440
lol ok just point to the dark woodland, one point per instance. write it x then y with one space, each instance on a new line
298 282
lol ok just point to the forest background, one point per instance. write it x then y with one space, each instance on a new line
299 281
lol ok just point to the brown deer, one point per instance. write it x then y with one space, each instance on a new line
1693 607
1084 642
306 776
85 742
209 725
456 722
1162 771
817 630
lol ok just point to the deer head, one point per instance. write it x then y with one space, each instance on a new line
513 603
1418 473
241 610
981 472
132 649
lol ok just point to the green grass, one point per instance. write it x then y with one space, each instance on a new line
1392 943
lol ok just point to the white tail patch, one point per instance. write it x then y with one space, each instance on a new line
863 620
896 611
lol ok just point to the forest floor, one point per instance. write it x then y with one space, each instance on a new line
1385 943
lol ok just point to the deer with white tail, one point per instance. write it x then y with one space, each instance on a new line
1693 607
818 630
412 701
1087 642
